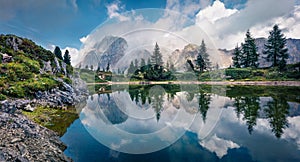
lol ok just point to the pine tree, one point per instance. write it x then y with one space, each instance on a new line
172 67
236 57
275 48
148 61
57 53
203 52
217 66
136 64
67 57
131 68
143 62
107 67
200 63
156 58
249 52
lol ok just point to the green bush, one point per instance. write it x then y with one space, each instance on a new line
2 97
69 69
238 73
295 75
67 80
33 66
41 84
15 91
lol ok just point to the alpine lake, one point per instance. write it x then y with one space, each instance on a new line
186 122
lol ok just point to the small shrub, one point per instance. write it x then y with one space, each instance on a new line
238 73
2 97
15 91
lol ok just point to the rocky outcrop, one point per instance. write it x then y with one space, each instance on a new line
109 50
56 98
14 42
23 140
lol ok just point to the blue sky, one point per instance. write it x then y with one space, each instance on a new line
66 22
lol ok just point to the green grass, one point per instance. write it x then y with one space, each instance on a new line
57 120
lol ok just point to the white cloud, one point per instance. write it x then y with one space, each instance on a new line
218 145
74 53
114 9
186 7
215 12
293 131
83 39
227 27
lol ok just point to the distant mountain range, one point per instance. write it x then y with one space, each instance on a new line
113 50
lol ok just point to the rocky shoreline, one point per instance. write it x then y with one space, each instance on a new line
22 139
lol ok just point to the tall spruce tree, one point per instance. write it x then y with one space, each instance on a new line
275 48
143 62
131 68
203 52
249 52
57 53
156 58
200 63
237 57
67 57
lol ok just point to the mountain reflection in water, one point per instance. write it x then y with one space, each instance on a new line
188 123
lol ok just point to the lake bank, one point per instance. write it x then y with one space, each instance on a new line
264 83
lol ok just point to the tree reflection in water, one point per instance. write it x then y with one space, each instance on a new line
277 112
246 101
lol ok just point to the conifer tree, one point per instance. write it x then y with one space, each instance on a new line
143 62
203 52
200 63
67 57
236 57
136 63
249 52
156 58
107 67
275 48
57 53
131 68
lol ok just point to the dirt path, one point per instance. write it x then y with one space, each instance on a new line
265 83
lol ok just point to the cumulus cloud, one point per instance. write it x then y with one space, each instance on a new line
114 9
293 131
186 7
215 12
218 145
83 39
228 28
74 53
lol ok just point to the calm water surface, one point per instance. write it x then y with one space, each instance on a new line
187 123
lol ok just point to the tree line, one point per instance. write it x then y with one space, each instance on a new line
66 57
275 51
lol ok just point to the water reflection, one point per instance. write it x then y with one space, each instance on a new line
209 119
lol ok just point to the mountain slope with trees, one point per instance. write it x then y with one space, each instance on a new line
27 68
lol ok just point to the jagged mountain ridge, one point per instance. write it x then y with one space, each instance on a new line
109 50
114 50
